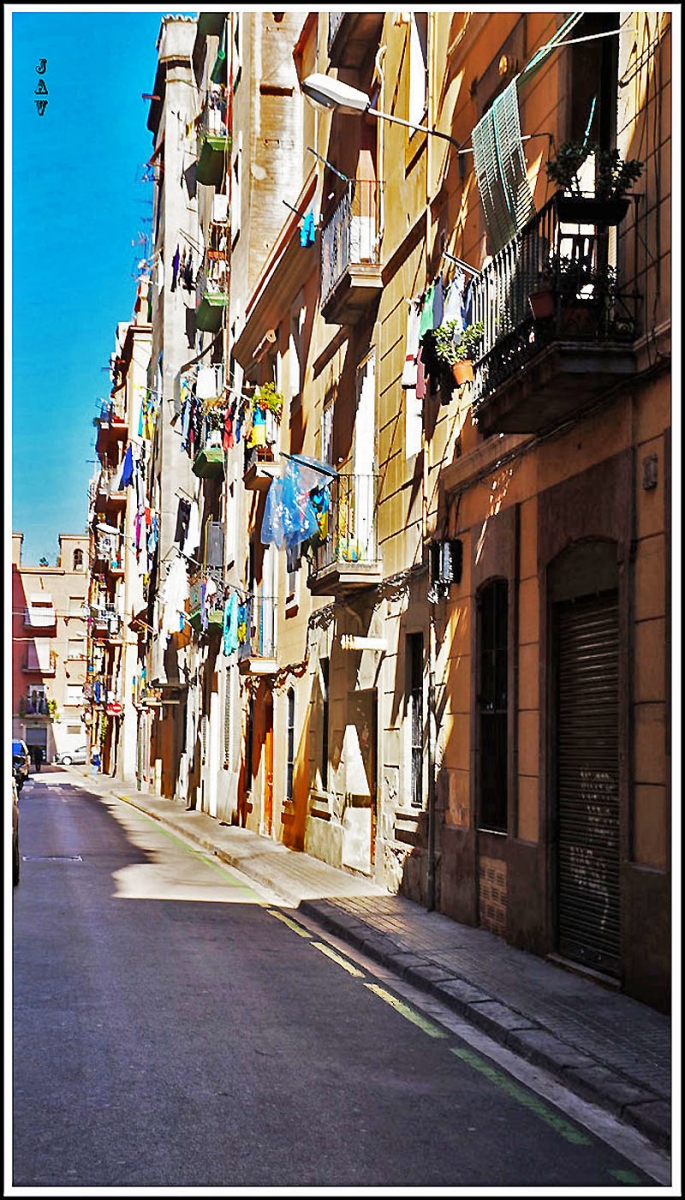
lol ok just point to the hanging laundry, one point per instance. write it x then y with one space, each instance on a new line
420 376
321 502
438 302
210 382
182 519
308 230
454 301
186 406
412 345
126 470
426 321
204 619
242 624
173 595
228 440
146 427
258 432
175 263
467 310
188 273
192 538
230 627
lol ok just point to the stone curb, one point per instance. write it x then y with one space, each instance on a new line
580 1073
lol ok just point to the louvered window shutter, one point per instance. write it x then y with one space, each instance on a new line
501 168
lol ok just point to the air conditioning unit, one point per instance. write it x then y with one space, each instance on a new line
446 560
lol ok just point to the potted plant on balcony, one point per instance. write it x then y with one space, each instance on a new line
467 352
454 347
614 178
269 399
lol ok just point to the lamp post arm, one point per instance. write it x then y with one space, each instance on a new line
375 112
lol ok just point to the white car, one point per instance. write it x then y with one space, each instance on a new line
67 757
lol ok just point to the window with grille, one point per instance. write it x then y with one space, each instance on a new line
493 705
290 738
415 707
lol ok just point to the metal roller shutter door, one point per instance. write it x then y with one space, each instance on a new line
587 783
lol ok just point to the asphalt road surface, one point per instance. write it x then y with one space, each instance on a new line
175 1028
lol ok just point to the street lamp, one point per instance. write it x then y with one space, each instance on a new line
333 93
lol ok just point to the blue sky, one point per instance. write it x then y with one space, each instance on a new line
78 204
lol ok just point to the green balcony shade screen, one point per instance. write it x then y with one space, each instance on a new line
501 168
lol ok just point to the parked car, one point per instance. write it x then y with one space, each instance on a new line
15 834
21 762
67 757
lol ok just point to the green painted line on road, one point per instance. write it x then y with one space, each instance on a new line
404 1009
223 868
337 958
563 1127
626 1177
287 921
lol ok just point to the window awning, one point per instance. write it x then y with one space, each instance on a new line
315 463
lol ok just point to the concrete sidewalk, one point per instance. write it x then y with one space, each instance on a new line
604 1046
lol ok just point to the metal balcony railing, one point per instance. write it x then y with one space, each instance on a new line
572 262
112 410
214 119
352 533
260 640
351 235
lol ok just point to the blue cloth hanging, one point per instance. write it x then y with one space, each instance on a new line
307 230
126 470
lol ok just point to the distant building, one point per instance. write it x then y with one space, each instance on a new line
49 630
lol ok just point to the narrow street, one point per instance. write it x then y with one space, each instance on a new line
175 1028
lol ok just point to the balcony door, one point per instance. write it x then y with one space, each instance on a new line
363 458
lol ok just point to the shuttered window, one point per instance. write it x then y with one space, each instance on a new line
588 859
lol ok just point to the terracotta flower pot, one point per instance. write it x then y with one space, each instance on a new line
463 371
542 303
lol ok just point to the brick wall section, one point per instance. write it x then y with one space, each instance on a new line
492 895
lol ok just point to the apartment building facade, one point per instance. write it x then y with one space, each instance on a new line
49 648
429 620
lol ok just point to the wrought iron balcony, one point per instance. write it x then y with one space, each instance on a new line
112 425
211 284
347 557
108 497
205 616
558 329
260 461
214 140
257 653
350 253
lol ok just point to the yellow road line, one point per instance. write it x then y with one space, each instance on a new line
286 921
337 958
405 1011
